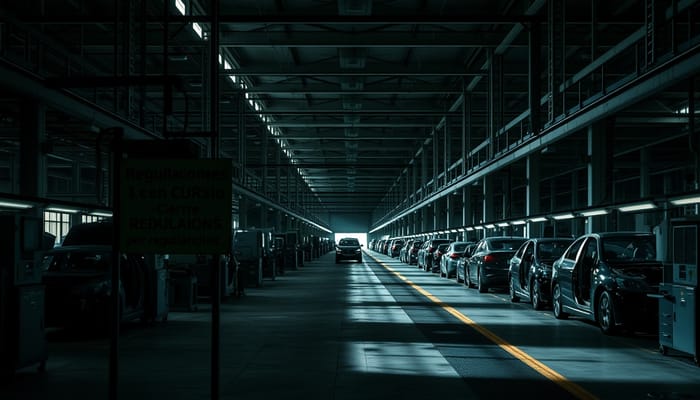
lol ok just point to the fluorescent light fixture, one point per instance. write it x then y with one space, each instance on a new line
101 213
538 219
503 224
490 226
469 229
647 205
560 217
62 210
593 213
221 59
227 65
461 229
180 5
233 78
518 222
683 201
454 230
12 204
197 29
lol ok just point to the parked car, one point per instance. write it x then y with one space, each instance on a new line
403 253
348 249
462 263
530 271
448 262
412 252
605 277
437 257
425 254
77 277
395 248
488 265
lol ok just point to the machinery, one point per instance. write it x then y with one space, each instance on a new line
248 251
22 338
678 299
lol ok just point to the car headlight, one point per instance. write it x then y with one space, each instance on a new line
358 251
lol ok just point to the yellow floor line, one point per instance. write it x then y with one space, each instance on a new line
527 359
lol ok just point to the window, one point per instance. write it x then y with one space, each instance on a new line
57 224
573 250
91 218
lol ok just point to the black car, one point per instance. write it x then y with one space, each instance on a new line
488 264
412 252
78 286
77 277
425 254
605 277
531 269
348 249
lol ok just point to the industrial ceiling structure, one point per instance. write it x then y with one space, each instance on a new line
371 109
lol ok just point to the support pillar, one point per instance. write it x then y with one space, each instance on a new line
534 93
532 194
487 201
642 220
555 59
599 171
32 171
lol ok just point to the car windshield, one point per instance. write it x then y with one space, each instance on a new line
629 248
550 251
77 261
349 242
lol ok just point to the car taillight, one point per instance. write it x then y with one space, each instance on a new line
454 256
414 250
489 258
431 249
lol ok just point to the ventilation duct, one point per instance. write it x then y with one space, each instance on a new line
354 7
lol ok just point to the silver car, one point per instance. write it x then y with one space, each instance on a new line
448 262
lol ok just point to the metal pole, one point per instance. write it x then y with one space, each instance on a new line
116 264
216 264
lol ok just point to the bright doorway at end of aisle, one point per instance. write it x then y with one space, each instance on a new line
361 237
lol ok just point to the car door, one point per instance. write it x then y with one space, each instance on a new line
474 260
525 266
516 266
582 273
564 269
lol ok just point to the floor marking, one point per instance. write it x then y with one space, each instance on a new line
538 366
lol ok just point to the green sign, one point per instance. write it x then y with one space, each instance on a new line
178 206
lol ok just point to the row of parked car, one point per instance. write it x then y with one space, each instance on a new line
609 278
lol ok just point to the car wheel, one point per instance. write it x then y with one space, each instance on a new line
482 285
535 295
557 307
606 314
513 296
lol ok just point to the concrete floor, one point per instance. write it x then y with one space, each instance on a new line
374 330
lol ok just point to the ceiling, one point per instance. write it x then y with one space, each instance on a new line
344 103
